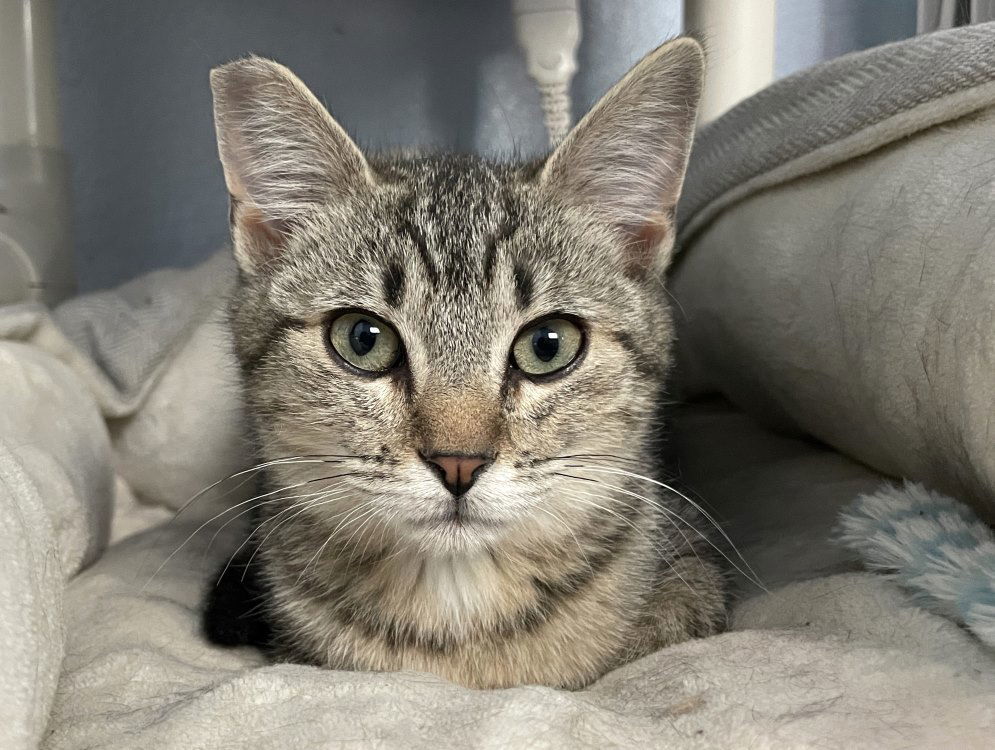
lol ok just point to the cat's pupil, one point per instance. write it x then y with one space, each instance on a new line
545 343
363 337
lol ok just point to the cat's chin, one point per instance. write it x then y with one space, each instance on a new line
456 532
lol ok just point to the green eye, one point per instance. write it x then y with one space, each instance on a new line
365 341
546 346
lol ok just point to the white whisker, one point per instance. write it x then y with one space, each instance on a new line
664 554
332 495
359 507
672 516
752 576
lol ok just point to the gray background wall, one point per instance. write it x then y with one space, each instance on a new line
147 188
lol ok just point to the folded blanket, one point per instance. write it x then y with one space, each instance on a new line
837 266
103 647
56 490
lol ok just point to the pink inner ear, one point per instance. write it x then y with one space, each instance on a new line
263 238
644 245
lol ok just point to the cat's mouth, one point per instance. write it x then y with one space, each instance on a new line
456 518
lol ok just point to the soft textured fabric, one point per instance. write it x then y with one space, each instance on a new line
836 111
71 415
140 350
56 490
837 271
112 657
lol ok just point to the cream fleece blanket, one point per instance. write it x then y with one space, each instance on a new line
130 393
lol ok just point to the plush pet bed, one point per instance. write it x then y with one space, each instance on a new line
118 407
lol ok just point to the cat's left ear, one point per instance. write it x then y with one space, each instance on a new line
624 162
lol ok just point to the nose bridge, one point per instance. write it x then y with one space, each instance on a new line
458 421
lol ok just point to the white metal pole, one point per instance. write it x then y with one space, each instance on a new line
35 254
739 42
29 114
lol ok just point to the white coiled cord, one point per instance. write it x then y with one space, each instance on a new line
549 32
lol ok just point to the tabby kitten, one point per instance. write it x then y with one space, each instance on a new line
454 368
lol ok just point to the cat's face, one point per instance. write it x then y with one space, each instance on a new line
446 340
459 311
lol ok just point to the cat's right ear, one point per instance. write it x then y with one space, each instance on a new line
283 155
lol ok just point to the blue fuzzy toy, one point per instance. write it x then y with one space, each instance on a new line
930 544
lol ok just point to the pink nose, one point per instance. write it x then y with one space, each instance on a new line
458 473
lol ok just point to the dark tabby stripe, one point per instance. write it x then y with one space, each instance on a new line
524 286
395 634
393 284
505 230
644 365
408 228
553 592
276 333
490 256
